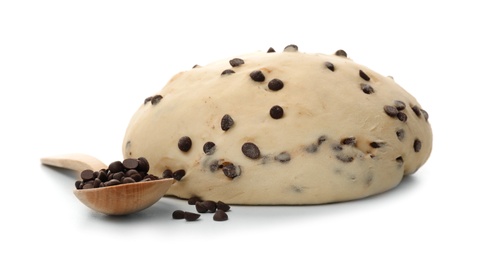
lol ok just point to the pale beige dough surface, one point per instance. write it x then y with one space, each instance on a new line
322 108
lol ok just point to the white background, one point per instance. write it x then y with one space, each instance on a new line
72 73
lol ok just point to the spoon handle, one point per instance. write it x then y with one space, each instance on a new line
75 161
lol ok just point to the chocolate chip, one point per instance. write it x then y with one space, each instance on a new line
348 141
78 184
391 111
167 173
282 157
399 160
321 139
291 48
184 143
143 164
87 175
400 105
363 75
200 207
376 144
179 174
401 116
276 112
193 200
417 145
270 50
426 115
130 163
220 215
366 88
345 158
312 148
118 176
178 214
275 84
127 180
116 166
231 171
155 99
400 133
214 165
236 62
147 100
226 122
196 66
227 72
112 182
190 216
223 206
416 110
341 53
330 66
251 150
209 148
257 76
210 205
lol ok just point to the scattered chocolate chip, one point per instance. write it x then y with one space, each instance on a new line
190 216
401 116
348 141
116 166
155 99
227 72
345 158
200 207
363 75
130 163
391 111
220 215
276 112
231 171
337 148
209 148
226 122
223 206
251 150
330 66
257 76
417 145
178 214
321 139
167 173
236 62
366 88
416 110
282 157
399 105
184 143
179 174
196 66
275 84
270 50
400 133
341 53
210 205
291 48
193 200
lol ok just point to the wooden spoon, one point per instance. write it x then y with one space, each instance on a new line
120 199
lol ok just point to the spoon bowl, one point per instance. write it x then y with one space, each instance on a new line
120 199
